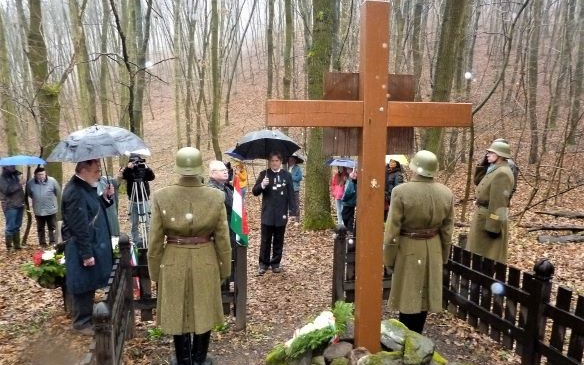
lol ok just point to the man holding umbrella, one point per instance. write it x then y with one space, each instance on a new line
87 236
12 198
276 187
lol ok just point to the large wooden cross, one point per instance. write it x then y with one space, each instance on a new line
373 113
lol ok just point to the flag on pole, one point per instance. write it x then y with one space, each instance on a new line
238 215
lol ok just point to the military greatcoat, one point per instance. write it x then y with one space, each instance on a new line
420 204
492 196
189 276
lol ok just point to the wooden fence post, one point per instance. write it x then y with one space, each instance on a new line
126 267
240 288
340 251
104 346
539 287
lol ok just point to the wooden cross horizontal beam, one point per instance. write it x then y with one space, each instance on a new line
347 114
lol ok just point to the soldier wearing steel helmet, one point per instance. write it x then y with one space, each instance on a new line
481 169
189 255
416 243
489 227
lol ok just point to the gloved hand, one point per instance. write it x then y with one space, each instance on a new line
493 235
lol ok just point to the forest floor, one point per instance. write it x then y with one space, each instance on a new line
34 328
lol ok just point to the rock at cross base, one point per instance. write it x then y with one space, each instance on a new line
337 350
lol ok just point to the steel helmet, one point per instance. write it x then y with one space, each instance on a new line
189 161
500 148
424 163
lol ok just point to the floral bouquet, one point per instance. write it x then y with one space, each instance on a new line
325 329
47 268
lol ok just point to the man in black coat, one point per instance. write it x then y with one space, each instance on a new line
88 247
275 186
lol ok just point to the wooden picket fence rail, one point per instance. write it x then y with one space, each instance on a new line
518 311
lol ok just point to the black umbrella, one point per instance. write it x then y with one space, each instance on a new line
97 141
259 144
300 158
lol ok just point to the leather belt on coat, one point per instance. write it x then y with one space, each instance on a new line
420 234
187 240
482 203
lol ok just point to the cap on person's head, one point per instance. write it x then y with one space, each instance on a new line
501 149
189 161
39 169
134 157
424 163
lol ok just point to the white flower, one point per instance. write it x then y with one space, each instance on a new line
62 261
324 320
48 255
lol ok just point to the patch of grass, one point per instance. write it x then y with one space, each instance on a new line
221 328
155 334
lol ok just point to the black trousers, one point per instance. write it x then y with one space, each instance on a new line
83 309
348 215
51 222
414 322
272 242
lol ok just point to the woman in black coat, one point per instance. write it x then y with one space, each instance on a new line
393 177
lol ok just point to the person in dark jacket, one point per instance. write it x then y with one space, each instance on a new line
349 201
393 177
12 199
44 192
275 187
137 175
218 175
86 234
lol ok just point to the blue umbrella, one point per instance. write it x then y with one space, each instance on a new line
21 160
342 162
235 155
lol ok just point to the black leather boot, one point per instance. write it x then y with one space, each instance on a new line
200 349
16 240
8 239
182 349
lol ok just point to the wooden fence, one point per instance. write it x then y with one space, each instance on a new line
113 316
514 308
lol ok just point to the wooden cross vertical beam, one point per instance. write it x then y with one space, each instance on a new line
373 64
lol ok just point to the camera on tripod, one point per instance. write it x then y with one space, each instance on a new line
138 167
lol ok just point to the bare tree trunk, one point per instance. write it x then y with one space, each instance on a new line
142 39
103 72
418 45
532 79
317 201
7 105
452 30
287 82
578 86
47 93
216 79
86 87
270 45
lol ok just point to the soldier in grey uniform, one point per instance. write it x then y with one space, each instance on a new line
416 244
488 230
189 255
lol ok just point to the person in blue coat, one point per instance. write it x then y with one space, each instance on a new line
296 173
86 234
275 187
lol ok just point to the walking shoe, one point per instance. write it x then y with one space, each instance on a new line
261 271
276 270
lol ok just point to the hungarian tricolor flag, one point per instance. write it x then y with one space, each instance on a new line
238 215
